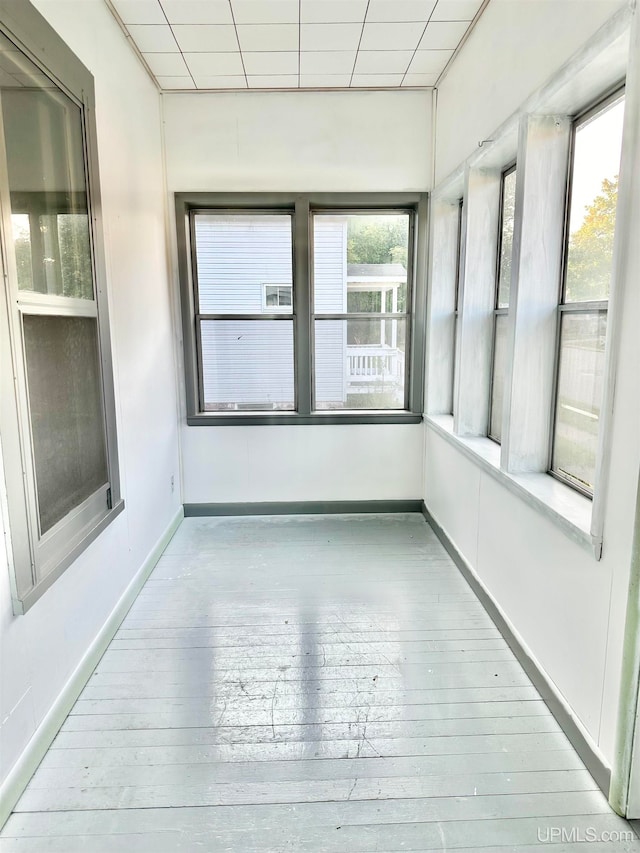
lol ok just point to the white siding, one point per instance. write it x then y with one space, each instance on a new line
237 256
330 296
248 362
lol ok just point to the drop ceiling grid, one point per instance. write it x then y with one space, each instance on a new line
291 44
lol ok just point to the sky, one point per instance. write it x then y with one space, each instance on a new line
597 156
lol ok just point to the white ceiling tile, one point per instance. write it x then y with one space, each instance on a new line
166 64
140 11
265 11
456 10
375 81
153 39
332 11
391 36
400 10
327 61
330 36
176 82
443 35
325 81
213 64
429 61
383 61
268 36
205 39
283 81
197 11
270 63
221 82
420 80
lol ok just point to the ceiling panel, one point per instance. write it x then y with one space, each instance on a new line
401 36
270 63
197 11
327 62
394 11
208 38
387 62
266 37
208 64
140 11
152 38
265 11
332 11
333 44
456 10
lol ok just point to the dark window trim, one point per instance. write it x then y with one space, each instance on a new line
303 206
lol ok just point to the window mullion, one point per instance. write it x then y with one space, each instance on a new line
302 305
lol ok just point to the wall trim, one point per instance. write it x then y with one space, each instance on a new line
20 774
565 717
301 508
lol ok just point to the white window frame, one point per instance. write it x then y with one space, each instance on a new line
537 136
564 308
36 560
287 309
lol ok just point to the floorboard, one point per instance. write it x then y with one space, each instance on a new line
310 683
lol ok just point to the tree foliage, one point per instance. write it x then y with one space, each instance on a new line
378 240
591 248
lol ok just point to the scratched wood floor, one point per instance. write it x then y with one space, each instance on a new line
310 684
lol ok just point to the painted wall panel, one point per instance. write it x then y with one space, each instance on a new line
313 142
41 649
515 47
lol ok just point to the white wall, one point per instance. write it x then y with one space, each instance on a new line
514 48
568 608
310 142
40 650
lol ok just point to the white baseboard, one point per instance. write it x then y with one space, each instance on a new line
24 768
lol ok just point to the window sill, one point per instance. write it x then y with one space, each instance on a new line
294 419
566 507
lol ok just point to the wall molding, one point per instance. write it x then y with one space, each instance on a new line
565 717
300 508
20 775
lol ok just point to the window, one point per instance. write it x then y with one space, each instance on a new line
582 324
457 301
58 425
297 311
360 283
502 297
278 296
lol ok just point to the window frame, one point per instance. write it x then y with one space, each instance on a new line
457 300
497 310
600 306
302 207
36 561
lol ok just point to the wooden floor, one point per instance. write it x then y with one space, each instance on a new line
310 684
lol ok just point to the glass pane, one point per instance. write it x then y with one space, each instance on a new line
579 396
360 260
497 387
47 183
65 401
247 365
244 262
360 364
592 210
506 239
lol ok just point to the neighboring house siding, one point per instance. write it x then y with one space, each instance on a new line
244 361
330 296
249 361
